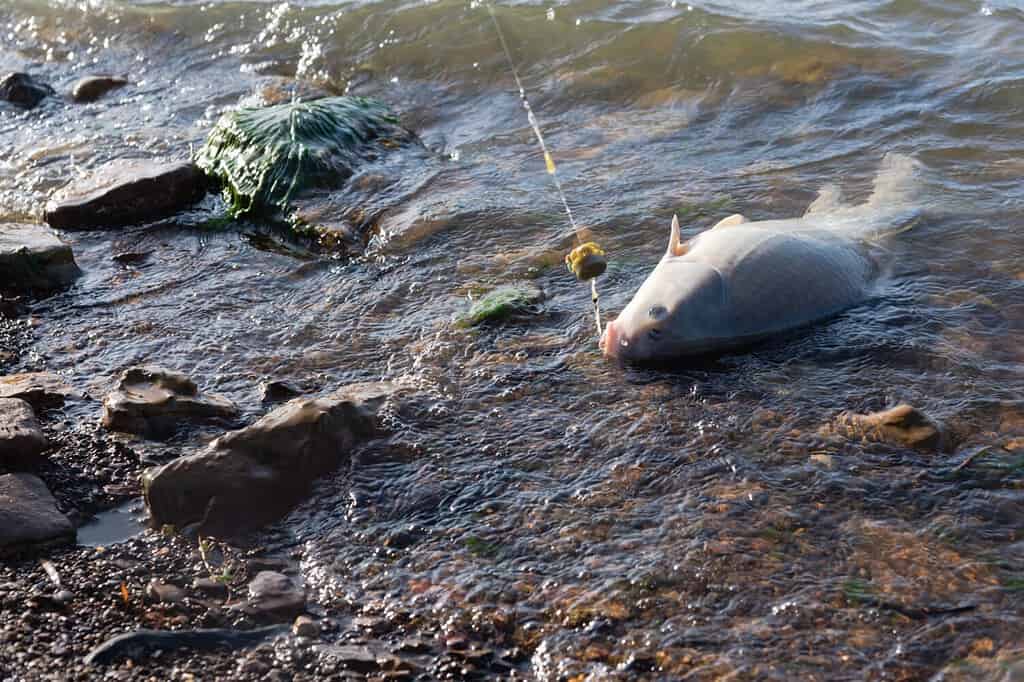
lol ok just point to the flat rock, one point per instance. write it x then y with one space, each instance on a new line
41 390
91 88
273 597
127 192
902 425
21 438
29 518
22 90
253 476
34 257
153 402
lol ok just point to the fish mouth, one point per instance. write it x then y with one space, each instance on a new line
612 343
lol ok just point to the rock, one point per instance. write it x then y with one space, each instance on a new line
305 626
34 257
41 390
22 90
252 476
278 391
127 192
210 588
153 402
827 461
164 592
21 438
91 88
901 425
273 597
29 518
144 642
354 657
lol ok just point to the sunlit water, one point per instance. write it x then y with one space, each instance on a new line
535 493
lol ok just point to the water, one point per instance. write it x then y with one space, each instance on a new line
114 525
606 520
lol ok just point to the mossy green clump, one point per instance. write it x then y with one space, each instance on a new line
502 304
265 157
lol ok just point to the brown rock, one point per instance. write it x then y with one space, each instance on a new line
41 390
901 425
252 476
91 88
165 592
34 257
154 402
273 597
304 626
29 518
127 192
21 439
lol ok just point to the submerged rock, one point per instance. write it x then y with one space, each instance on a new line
91 88
273 597
21 438
901 425
127 192
29 518
153 402
42 390
22 90
267 158
503 304
252 476
34 257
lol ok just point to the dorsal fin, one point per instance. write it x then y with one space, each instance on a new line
734 219
830 198
675 245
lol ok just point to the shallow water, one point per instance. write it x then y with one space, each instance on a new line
607 520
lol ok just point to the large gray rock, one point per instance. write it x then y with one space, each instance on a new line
41 390
127 192
21 439
252 476
22 90
902 425
153 402
34 257
29 518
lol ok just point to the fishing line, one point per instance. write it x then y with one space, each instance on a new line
587 261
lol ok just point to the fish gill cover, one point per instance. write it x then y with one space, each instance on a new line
265 157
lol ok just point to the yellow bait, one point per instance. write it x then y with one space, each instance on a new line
587 261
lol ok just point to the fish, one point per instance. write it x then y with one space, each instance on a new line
741 282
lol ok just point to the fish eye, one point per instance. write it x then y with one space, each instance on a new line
657 312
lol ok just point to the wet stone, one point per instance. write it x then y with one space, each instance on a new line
901 425
91 88
29 518
165 592
41 390
22 90
210 588
21 438
254 475
305 626
127 192
32 257
154 402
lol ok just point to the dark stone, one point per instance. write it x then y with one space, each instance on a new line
22 90
165 592
354 657
91 88
273 597
279 391
21 438
252 476
41 390
29 518
127 192
210 588
32 257
142 643
154 402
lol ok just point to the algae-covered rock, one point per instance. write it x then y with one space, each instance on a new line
503 304
267 157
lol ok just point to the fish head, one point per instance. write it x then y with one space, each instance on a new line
672 312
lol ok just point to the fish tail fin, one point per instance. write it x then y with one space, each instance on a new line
897 184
